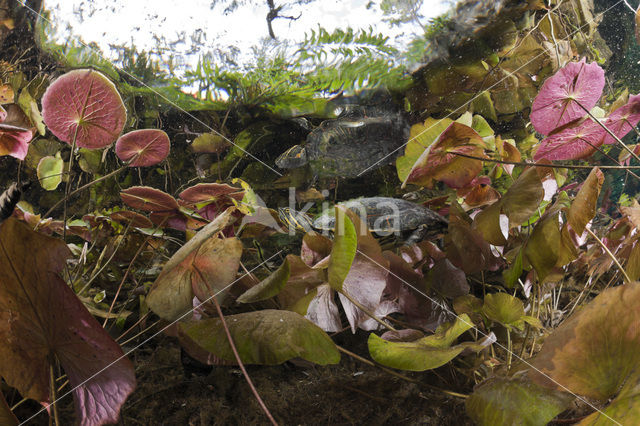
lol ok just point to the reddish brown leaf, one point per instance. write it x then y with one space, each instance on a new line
143 148
40 317
576 141
583 208
14 141
440 162
149 199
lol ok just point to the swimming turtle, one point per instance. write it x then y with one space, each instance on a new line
361 139
383 216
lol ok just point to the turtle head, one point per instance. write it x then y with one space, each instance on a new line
296 156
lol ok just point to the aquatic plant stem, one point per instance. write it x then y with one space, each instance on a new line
68 186
398 375
82 188
613 258
52 392
550 165
241 365
367 311
237 355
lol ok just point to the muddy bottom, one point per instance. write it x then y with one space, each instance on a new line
171 392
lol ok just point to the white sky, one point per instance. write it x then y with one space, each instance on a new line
124 21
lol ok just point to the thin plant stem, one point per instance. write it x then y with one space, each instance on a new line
237 355
398 375
606 129
83 187
52 392
613 258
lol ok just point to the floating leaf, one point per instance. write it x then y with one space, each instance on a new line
14 141
514 401
148 199
594 352
40 316
426 353
268 287
50 172
583 208
565 96
145 147
440 162
268 337
84 106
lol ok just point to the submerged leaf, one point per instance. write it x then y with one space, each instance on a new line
576 141
50 172
267 337
84 107
514 401
426 353
14 141
268 287
595 351
144 147
583 208
565 96
148 199
40 316
343 251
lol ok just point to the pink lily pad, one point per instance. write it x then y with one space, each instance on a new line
149 199
84 105
571 143
561 96
135 219
145 147
14 141
204 192
623 119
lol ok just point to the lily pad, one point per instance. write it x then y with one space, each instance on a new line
565 96
148 199
84 106
142 148
50 172
268 337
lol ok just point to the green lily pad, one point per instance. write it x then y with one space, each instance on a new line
514 401
504 309
50 172
266 337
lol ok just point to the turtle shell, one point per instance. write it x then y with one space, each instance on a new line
385 215
350 145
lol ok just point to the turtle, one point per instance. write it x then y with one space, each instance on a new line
383 216
359 140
